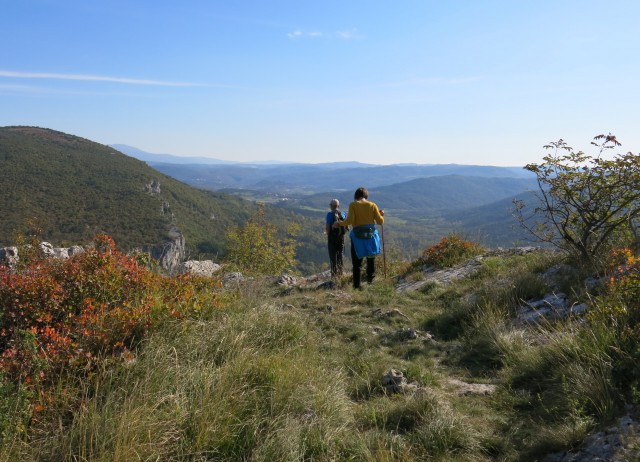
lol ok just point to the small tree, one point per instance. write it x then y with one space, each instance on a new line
256 249
584 200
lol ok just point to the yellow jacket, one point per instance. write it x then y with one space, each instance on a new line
362 213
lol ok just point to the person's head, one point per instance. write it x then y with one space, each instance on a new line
361 193
334 204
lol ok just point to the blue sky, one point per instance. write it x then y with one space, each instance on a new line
459 81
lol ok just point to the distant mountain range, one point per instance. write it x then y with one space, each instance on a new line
423 201
152 158
216 175
164 158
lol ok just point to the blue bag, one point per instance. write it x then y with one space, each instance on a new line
365 240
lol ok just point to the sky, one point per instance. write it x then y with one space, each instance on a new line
483 82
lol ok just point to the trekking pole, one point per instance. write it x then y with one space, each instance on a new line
384 254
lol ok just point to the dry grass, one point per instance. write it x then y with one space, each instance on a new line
292 375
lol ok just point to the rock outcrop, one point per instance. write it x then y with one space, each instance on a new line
206 268
394 381
171 253
9 255
551 306
614 443
449 275
153 187
49 250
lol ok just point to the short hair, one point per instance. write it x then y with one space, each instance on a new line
335 202
361 193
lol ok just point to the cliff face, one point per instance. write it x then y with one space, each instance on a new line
170 253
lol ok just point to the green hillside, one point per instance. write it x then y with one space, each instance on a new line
427 197
494 223
421 211
74 188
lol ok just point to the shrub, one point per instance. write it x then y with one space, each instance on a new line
255 248
585 202
617 312
451 250
60 319
58 314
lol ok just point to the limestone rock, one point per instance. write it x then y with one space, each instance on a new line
63 253
171 252
433 276
551 306
231 278
153 187
395 382
206 268
9 256
614 443
287 280
466 389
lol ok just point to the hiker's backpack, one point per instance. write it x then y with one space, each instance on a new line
340 230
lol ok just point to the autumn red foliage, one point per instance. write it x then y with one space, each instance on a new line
68 314
64 313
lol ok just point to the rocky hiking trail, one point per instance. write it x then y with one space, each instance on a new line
392 319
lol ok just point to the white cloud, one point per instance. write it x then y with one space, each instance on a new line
295 34
342 35
348 34
93 78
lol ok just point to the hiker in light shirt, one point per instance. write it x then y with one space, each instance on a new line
335 237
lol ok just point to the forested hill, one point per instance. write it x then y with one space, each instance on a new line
73 188
426 197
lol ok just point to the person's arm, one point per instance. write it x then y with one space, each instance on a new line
378 215
350 217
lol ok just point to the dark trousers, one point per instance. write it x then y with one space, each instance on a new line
336 249
357 268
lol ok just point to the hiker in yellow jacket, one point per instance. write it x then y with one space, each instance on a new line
362 217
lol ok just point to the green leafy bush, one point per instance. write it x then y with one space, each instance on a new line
256 248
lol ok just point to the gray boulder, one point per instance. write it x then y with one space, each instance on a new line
395 382
171 252
9 256
206 268
551 306
63 253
